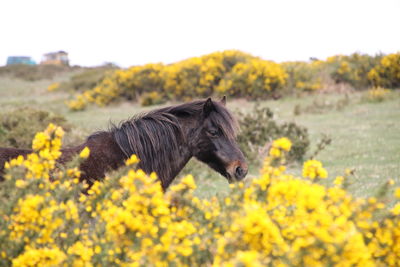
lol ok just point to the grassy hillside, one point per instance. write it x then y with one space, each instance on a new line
364 135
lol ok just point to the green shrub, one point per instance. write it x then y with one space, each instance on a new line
18 127
86 80
321 105
258 129
352 69
32 72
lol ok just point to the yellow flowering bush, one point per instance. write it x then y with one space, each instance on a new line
255 78
40 257
387 72
276 219
303 75
234 73
47 145
77 104
191 78
104 93
194 77
353 69
137 80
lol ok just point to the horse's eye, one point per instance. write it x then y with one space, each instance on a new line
213 133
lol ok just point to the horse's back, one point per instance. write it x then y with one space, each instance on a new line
8 153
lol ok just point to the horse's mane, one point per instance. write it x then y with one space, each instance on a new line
221 117
158 134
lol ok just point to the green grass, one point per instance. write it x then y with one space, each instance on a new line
365 136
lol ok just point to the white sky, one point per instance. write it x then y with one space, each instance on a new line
148 31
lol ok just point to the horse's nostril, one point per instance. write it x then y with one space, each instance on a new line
240 172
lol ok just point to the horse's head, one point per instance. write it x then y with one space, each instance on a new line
214 141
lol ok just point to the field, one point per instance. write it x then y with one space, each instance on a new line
273 218
364 134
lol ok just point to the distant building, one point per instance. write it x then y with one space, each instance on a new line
20 60
56 58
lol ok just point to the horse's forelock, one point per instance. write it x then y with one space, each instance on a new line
221 117
224 120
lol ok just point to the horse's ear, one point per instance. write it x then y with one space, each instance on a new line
208 107
223 100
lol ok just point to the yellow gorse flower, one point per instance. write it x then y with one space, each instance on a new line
313 169
280 146
132 160
84 153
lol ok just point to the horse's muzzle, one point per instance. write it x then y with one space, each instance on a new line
236 171
240 173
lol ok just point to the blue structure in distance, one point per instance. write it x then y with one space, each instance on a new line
12 60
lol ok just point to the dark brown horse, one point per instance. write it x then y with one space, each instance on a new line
164 140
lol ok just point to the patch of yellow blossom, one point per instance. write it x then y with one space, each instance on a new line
279 146
53 87
313 169
387 72
40 257
339 180
79 103
344 67
276 219
132 160
303 75
84 153
107 91
255 78
47 146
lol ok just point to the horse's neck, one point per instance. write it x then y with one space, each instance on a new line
169 167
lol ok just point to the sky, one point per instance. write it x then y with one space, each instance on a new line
130 32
